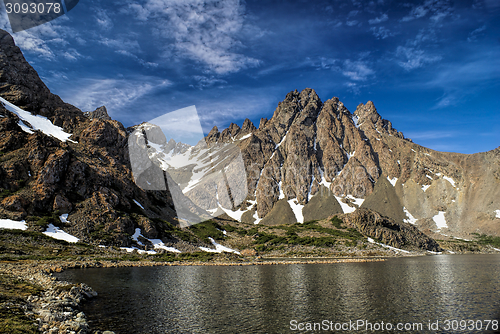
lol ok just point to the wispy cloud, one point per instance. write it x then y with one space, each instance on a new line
438 9
205 31
413 58
434 134
90 93
476 33
357 70
38 40
206 82
381 32
380 19
102 19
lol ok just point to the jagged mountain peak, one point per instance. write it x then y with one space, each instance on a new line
247 127
99 113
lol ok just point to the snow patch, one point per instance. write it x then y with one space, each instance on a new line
429 177
236 215
498 250
393 181
411 219
297 210
497 213
346 208
246 136
12 224
56 233
449 179
282 194
281 142
256 217
37 122
157 147
355 120
387 246
435 253
440 220
140 251
157 243
323 180
218 248
350 155
139 204
425 187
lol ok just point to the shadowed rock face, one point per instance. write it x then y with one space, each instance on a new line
390 232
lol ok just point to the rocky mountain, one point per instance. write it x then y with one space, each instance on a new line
313 154
309 161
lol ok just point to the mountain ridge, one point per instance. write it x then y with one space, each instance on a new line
309 155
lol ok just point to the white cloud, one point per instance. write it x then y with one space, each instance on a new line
381 32
88 94
351 23
71 54
121 44
103 20
204 31
357 70
377 20
136 58
438 8
477 32
204 82
413 58
38 39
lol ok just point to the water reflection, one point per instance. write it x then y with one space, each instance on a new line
264 299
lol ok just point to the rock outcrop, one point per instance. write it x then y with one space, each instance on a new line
390 232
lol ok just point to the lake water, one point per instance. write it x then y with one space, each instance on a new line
401 292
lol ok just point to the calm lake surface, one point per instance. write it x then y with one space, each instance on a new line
265 299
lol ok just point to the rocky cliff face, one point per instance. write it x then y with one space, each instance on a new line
87 176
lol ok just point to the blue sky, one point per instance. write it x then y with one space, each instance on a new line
432 67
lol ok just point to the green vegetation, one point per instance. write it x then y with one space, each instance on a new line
349 236
207 229
18 245
337 222
12 318
5 193
99 233
484 239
